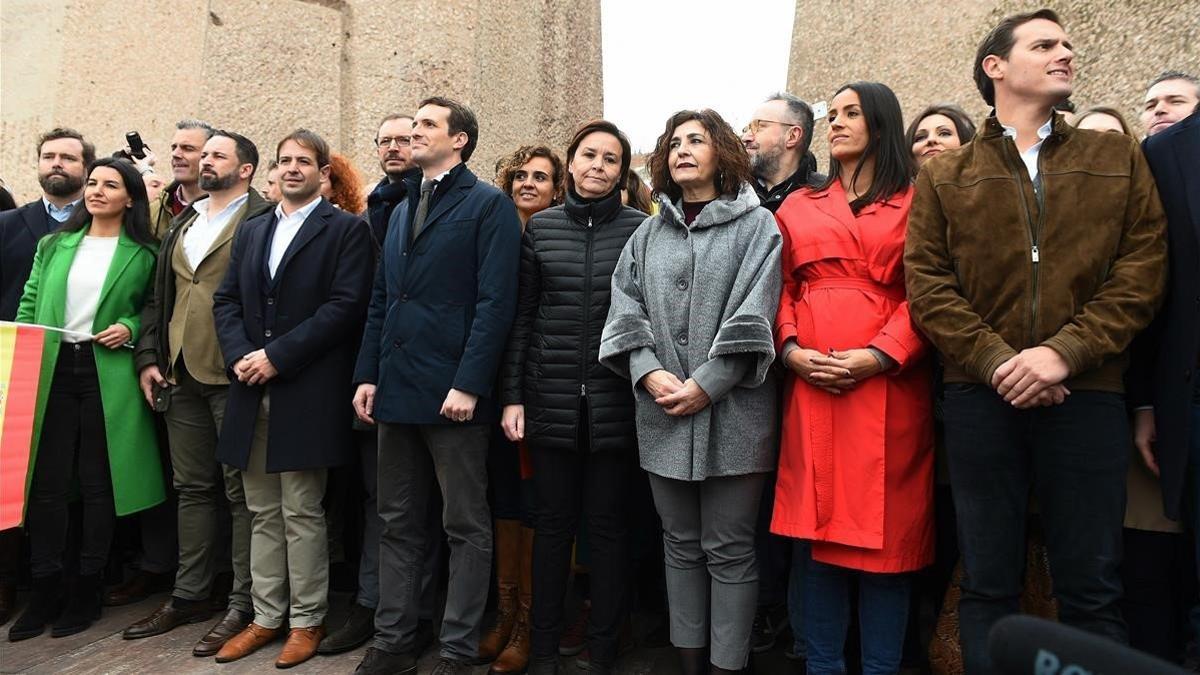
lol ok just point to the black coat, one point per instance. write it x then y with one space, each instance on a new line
309 319
384 199
552 364
1165 356
20 230
442 304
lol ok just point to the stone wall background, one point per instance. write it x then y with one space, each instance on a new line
925 50
531 71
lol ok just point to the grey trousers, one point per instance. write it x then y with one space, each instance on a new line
193 423
289 552
411 457
711 571
368 565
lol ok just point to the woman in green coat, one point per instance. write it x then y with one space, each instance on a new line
92 428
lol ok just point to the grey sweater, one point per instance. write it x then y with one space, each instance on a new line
700 302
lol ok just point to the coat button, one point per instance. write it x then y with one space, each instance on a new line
683 338
195 280
267 333
270 301
397 344
681 284
404 297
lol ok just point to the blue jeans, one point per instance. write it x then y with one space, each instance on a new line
882 617
1073 457
795 595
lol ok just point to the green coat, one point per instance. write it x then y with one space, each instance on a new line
133 457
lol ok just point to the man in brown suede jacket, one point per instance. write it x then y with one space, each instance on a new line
1034 256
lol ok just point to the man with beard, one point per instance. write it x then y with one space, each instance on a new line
395 158
777 140
184 188
63 157
179 351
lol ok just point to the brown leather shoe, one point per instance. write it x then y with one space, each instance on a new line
166 618
247 642
234 622
300 646
139 587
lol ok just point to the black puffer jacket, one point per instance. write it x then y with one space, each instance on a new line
552 362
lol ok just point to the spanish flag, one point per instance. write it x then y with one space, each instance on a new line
20 370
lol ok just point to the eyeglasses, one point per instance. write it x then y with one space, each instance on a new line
756 125
399 141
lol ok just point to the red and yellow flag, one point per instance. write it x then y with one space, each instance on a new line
20 372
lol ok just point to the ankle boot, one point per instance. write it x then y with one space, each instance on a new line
508 568
83 607
693 660
43 607
515 657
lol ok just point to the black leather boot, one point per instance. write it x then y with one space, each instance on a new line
83 607
43 607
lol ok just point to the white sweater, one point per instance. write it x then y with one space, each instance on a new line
84 282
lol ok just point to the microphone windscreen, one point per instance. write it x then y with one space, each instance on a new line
1025 645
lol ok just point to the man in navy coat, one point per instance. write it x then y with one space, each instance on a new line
444 299
288 316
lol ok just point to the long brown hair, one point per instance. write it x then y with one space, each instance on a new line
733 164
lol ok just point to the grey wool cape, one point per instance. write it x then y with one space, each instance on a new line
694 294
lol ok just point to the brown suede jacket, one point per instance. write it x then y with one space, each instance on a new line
993 268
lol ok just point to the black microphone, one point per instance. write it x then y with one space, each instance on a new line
1025 645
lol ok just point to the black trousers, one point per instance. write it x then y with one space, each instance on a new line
1073 457
1160 588
73 446
570 485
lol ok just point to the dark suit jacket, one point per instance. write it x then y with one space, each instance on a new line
308 318
1164 372
442 306
20 230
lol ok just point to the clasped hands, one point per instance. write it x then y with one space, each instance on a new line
254 368
1033 378
835 372
678 399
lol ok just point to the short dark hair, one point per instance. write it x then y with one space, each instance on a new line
1104 110
1176 75
962 122
894 165
462 121
800 111
999 42
507 166
388 118
307 139
733 164
247 152
89 150
605 127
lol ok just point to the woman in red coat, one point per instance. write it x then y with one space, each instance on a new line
856 465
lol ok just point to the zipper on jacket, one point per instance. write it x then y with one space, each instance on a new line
587 307
1033 230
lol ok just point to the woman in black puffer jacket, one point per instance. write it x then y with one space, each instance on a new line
575 415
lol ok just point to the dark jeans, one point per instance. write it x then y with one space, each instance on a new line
882 618
413 461
1074 457
568 485
774 553
73 446
1159 590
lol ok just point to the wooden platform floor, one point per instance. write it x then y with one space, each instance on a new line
101 651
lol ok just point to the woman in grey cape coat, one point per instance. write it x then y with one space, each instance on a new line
694 297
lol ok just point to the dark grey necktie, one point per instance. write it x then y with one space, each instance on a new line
422 207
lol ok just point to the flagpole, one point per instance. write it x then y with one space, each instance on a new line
71 333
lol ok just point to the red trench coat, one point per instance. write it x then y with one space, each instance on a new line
856 469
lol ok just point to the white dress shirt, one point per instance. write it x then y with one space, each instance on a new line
85 280
1030 156
206 227
286 228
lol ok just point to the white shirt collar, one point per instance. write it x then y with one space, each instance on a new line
1042 132
201 205
302 212
1030 156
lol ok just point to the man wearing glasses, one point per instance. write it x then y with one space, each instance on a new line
395 158
777 141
